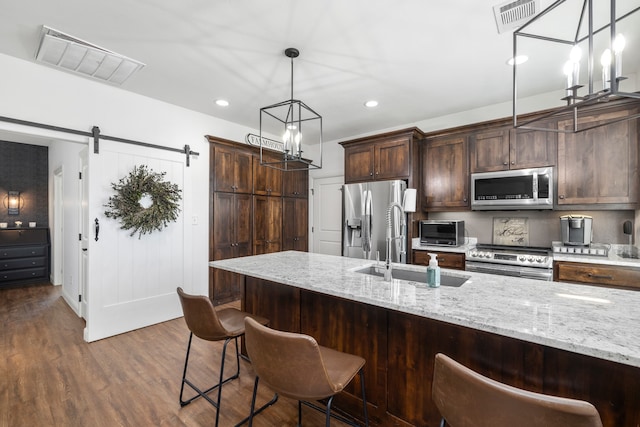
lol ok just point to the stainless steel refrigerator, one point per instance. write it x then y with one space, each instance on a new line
364 219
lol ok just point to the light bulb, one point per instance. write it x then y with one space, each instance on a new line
576 54
605 59
618 47
618 44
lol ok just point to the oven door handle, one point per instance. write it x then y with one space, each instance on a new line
508 270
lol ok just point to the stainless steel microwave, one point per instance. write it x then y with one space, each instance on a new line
441 233
513 189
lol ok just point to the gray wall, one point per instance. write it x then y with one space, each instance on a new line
544 226
25 168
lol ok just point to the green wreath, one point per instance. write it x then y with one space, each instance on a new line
144 201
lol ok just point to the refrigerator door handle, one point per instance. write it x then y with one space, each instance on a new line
366 224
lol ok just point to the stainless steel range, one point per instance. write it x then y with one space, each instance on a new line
518 261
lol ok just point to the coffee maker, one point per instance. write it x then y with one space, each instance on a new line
576 230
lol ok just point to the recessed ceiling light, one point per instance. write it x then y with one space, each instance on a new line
371 104
518 60
222 102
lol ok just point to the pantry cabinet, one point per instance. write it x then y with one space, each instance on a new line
267 224
295 224
266 181
445 169
599 166
232 170
247 210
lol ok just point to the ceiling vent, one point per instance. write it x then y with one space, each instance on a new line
513 14
72 54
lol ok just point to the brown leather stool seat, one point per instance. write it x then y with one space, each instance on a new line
295 366
209 324
468 399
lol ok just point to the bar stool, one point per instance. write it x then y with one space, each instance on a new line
209 324
466 398
295 366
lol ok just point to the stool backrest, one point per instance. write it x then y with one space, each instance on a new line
201 317
466 398
290 363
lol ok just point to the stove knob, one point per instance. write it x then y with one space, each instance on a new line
540 260
522 258
530 259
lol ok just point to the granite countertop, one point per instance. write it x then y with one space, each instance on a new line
590 320
612 258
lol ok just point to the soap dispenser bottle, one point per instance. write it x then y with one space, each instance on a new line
433 272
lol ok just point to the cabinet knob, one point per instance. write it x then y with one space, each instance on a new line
464 200
370 173
561 196
505 163
513 163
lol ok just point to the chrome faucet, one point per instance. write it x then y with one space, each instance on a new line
388 268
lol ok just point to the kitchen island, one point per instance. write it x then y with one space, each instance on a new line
565 339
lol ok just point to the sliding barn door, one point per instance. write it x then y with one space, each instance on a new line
131 280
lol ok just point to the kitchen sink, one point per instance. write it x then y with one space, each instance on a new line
415 276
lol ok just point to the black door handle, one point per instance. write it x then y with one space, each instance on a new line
97 228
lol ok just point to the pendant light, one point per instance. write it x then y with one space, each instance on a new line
581 35
292 129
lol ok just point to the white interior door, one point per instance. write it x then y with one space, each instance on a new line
132 280
84 231
327 215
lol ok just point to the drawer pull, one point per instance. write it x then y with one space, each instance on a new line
600 276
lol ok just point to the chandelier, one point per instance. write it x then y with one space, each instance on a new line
293 130
571 37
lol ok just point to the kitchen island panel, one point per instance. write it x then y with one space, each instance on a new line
280 304
353 328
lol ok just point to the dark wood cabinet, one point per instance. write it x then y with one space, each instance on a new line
597 274
232 170
24 256
380 157
504 148
445 164
400 349
267 224
231 237
295 224
249 214
266 181
453 260
599 166
296 184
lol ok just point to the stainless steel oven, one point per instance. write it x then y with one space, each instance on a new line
525 262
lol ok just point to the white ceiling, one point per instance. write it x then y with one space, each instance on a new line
420 59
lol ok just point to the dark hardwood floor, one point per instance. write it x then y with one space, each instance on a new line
51 377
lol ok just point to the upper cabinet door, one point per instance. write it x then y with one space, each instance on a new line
358 163
296 184
445 166
266 181
504 149
232 170
599 166
392 159
489 151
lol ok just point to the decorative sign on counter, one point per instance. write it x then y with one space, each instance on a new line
511 231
